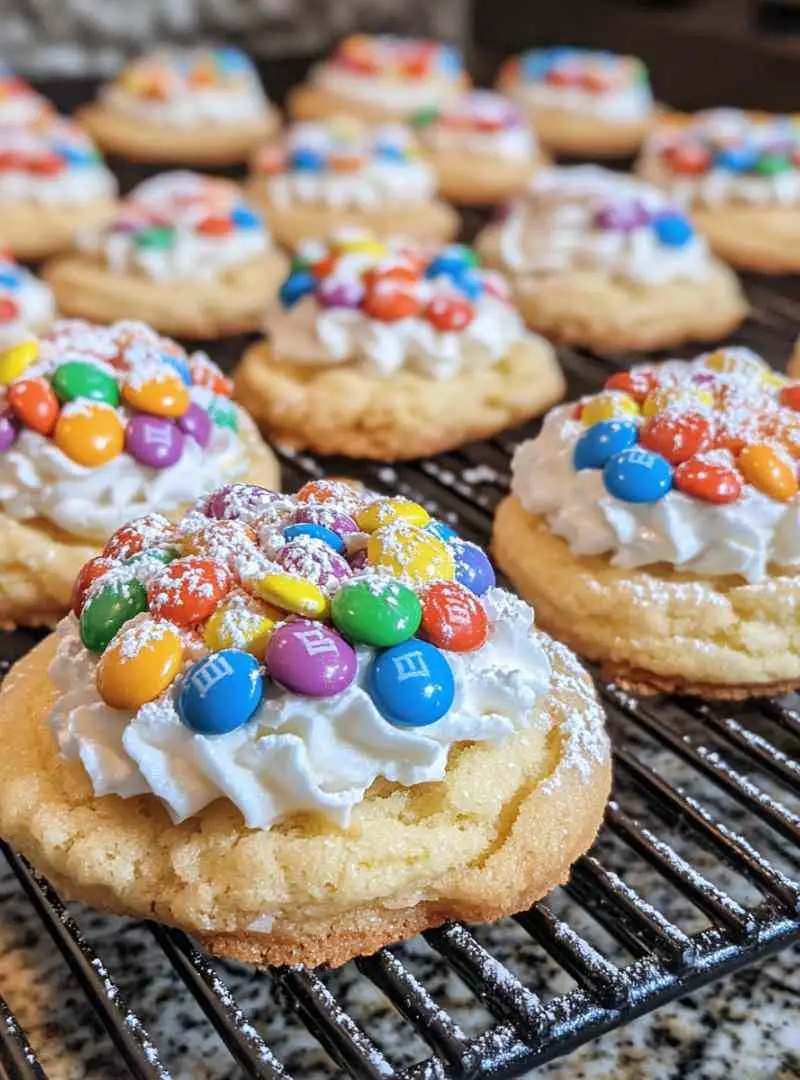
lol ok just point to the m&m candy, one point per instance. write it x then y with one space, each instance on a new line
637 476
447 313
140 664
296 286
90 433
602 441
442 530
382 512
34 404
314 560
221 692
109 608
188 589
408 551
163 394
14 361
241 622
676 437
606 406
378 612
154 441
245 502
79 379
196 423
768 471
412 684
327 516
472 567
144 532
310 659
9 429
452 617
292 594
672 229
711 481
315 532
88 574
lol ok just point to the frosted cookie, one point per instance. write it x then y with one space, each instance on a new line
582 103
27 306
184 253
739 173
608 262
183 106
656 527
480 146
323 176
19 102
379 78
301 728
99 425
390 351
53 184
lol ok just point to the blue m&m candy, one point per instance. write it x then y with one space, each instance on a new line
602 441
297 285
736 159
387 151
469 283
178 364
220 692
303 159
412 684
316 532
444 532
673 229
455 259
10 278
473 569
638 476
245 218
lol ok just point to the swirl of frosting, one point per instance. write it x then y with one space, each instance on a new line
588 218
398 74
343 163
51 163
479 122
386 307
580 81
722 435
180 225
725 156
189 87
319 729
43 476
26 304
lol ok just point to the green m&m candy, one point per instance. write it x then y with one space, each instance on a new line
155 238
79 379
107 610
772 165
223 413
376 612
164 555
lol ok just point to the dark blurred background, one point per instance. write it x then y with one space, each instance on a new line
701 52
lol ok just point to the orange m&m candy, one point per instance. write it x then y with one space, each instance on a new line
708 480
90 433
324 491
161 394
89 573
215 226
676 437
453 617
187 590
148 531
35 404
449 313
205 373
139 664
390 301
636 384
790 397
687 159
768 472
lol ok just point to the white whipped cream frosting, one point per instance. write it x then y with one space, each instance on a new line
719 186
240 101
550 228
35 303
400 97
83 184
626 105
744 537
309 333
514 141
297 754
177 197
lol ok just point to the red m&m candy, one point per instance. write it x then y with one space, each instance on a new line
637 384
215 226
790 397
148 531
88 574
708 480
390 301
188 590
453 617
677 437
205 373
449 313
9 309
35 404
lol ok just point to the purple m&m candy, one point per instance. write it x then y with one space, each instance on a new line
341 293
359 560
621 217
473 569
245 502
314 561
327 517
197 423
310 659
154 441
9 429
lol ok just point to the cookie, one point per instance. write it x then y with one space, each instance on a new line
100 425
480 146
185 253
27 306
605 261
654 527
582 103
739 175
379 78
418 752
391 352
53 185
183 106
320 177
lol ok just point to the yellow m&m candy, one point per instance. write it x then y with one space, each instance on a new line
736 362
363 245
768 471
14 361
408 551
608 406
139 664
242 622
687 398
90 433
293 594
384 511
161 395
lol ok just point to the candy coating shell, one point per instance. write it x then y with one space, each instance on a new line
411 684
109 609
128 682
453 617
